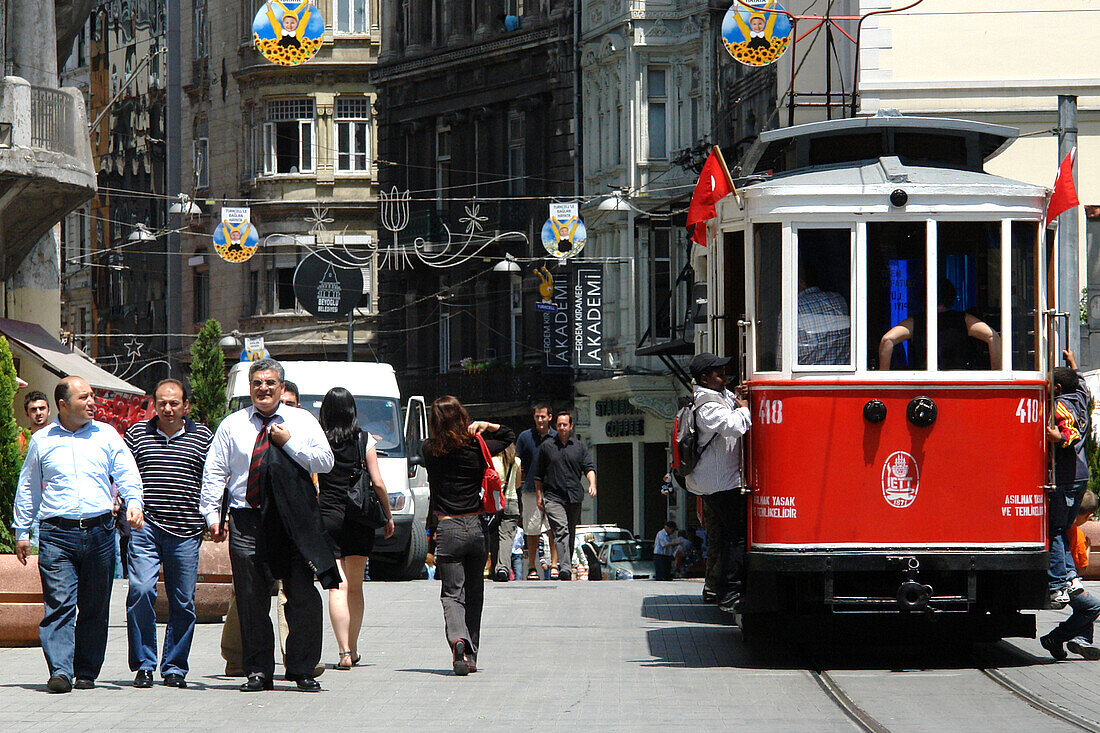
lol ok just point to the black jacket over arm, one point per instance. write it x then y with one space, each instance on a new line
291 515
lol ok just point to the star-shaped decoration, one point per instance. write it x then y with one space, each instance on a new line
473 219
133 348
318 220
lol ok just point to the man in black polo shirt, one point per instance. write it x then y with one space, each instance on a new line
169 450
559 467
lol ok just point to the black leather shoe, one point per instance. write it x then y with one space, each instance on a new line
257 682
565 575
144 678
59 683
175 680
84 683
308 684
460 665
500 576
709 596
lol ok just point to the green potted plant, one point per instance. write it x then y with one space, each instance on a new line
20 587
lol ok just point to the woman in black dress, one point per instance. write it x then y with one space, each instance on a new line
453 459
351 538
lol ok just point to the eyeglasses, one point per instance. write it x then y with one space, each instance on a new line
257 383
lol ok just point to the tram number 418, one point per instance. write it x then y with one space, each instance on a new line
1028 410
771 412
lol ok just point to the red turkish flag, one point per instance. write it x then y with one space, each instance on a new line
714 185
1064 196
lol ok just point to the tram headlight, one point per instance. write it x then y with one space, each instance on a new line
899 198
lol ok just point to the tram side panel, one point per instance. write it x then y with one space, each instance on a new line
835 492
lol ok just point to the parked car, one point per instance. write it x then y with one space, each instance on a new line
601 532
627 559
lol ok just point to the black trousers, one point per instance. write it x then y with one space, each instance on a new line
253 590
461 549
728 508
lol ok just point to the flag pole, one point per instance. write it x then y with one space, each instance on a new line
729 178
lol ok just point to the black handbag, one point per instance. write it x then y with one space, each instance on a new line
361 491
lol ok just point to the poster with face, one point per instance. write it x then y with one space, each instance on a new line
564 234
757 35
289 33
235 239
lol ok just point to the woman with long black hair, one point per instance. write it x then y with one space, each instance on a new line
344 522
455 465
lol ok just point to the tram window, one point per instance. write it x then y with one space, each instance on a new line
768 258
970 325
1025 316
824 294
896 267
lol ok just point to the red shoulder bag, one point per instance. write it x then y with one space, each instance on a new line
492 492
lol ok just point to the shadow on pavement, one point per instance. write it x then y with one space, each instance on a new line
440 672
684 608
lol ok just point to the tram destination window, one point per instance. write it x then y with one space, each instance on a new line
824 320
768 262
1025 281
896 267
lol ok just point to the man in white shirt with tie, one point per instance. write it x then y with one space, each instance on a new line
234 459
66 483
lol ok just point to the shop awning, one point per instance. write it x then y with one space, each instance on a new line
60 359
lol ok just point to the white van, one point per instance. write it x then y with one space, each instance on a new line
378 404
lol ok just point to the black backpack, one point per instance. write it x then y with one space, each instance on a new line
685 440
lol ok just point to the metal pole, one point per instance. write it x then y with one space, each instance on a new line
351 333
1069 276
172 272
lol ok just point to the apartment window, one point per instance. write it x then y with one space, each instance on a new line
616 139
200 152
351 16
200 29
200 294
662 285
517 154
442 163
284 288
288 136
352 134
657 102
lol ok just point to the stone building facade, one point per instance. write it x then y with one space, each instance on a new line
477 105
297 145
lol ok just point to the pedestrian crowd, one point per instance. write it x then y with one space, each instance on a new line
292 495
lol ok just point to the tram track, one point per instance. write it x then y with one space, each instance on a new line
865 721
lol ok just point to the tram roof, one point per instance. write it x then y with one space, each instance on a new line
890 170
928 141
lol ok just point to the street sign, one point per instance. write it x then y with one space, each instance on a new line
756 36
327 289
564 234
235 239
288 35
254 349
588 315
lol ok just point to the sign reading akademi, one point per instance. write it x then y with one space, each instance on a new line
588 316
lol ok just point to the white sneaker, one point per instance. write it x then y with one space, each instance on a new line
1059 598
1086 650
1075 586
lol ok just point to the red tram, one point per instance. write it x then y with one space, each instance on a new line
896 463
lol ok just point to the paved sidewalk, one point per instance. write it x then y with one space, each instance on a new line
629 655
614 656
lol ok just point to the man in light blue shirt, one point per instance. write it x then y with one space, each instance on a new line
66 483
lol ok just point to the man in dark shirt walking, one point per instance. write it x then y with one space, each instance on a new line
560 465
527 450
169 450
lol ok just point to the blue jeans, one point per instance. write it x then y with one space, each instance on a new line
1065 500
517 565
1086 608
150 549
75 566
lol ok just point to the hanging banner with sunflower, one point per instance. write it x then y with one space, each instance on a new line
756 36
235 239
288 34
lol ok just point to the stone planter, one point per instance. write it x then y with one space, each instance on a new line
20 602
1091 529
213 589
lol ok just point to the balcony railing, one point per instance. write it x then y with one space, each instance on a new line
52 123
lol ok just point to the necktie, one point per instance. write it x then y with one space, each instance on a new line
252 493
